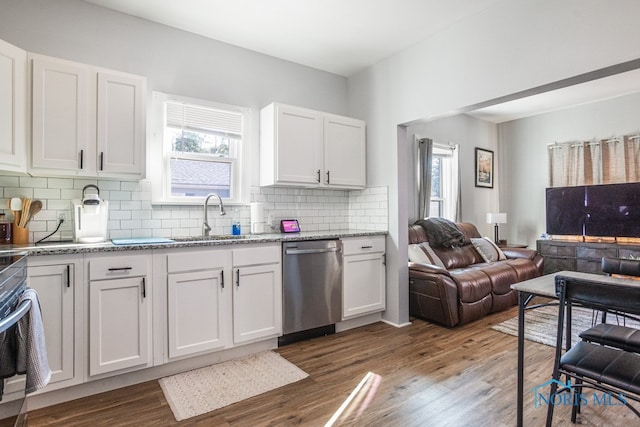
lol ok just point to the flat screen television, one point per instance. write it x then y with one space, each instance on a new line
565 210
611 210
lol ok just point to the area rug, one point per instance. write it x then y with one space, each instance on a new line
206 389
541 324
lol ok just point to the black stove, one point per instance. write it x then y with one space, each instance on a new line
13 280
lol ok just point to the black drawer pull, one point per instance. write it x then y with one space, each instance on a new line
120 268
366 247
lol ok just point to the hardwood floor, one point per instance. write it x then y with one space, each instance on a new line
425 375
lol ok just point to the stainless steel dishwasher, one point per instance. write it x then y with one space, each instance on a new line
312 288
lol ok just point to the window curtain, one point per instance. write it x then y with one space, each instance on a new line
425 157
575 163
613 161
609 161
632 155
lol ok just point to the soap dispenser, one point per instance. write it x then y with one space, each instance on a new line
235 225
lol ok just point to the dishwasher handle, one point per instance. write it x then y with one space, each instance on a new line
310 251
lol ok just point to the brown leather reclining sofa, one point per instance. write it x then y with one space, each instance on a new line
465 287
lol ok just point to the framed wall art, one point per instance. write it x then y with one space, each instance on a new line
484 168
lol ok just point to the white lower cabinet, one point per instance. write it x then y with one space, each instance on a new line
54 279
119 313
363 276
198 300
257 293
219 298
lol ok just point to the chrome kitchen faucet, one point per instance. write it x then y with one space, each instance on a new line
205 225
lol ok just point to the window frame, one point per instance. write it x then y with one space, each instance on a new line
445 154
162 153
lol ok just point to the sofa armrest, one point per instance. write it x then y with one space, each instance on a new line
421 267
529 254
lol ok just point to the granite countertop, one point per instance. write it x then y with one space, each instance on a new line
62 248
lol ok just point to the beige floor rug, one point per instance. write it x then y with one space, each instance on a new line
206 389
541 324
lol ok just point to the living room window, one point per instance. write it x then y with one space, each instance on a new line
444 180
201 149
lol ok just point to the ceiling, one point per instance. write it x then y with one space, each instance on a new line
346 36
339 36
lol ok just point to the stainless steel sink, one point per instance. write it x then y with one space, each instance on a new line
208 238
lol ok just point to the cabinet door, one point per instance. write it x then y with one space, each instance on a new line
257 302
363 284
119 314
13 71
344 152
121 126
195 311
59 116
299 146
55 285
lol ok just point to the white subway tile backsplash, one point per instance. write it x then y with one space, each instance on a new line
132 214
46 193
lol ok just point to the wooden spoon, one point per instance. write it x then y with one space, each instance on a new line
26 206
36 206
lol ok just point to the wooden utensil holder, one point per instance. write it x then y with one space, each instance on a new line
20 235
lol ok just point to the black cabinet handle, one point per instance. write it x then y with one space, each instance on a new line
222 278
384 259
101 160
238 277
120 268
318 176
328 178
81 159
144 288
68 276
366 247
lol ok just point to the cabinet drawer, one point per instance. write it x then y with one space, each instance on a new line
120 266
629 252
200 260
566 250
555 264
267 254
596 253
363 245
589 266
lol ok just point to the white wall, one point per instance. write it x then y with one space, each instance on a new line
523 145
469 133
513 46
173 61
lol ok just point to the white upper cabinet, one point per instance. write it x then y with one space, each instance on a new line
307 148
121 126
60 105
86 121
13 75
344 152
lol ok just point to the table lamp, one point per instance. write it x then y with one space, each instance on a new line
496 218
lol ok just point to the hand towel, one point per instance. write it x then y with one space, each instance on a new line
31 348
7 356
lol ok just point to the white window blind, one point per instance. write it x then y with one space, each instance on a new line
203 119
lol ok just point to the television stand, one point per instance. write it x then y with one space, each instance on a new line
584 256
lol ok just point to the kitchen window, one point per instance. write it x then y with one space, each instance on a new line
201 149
